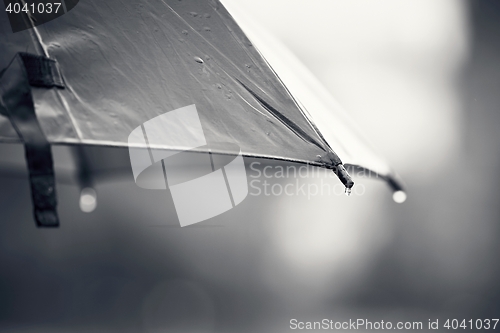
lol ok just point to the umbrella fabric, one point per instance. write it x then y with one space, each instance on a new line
124 63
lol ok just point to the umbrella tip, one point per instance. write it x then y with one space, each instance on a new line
398 195
345 178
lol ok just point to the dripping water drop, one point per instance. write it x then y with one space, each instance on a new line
88 200
399 196
348 191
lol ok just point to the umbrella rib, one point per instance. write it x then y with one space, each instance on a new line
283 119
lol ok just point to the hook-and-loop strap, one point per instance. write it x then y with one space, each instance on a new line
42 71
16 103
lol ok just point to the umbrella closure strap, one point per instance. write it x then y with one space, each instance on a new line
16 103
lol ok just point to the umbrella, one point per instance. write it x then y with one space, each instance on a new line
92 76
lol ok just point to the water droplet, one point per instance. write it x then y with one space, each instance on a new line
348 191
88 200
193 14
185 32
228 96
399 196
198 60
219 86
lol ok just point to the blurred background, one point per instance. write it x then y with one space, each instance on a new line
419 76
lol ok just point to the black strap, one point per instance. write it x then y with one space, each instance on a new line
16 103
42 71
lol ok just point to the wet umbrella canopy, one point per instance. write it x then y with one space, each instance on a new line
93 75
